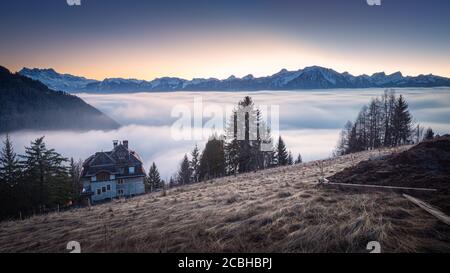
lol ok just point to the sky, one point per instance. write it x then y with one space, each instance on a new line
145 39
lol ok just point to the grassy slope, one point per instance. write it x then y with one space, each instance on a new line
278 210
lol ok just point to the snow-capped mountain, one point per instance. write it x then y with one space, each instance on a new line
314 77
56 81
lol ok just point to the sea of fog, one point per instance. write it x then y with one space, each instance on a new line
310 121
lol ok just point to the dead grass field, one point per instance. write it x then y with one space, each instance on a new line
277 210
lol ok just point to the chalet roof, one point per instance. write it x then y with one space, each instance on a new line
115 162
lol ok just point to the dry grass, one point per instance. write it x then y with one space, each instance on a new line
277 210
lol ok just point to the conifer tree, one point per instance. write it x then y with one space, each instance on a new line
290 158
10 177
185 172
45 172
9 164
282 154
195 164
212 161
299 159
429 134
154 179
402 122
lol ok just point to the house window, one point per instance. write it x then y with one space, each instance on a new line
120 192
108 187
93 178
103 189
99 191
120 181
131 170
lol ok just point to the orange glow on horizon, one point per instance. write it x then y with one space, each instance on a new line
240 54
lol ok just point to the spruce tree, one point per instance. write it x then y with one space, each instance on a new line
45 172
282 154
9 164
290 158
195 164
402 122
212 161
185 172
10 176
246 135
154 179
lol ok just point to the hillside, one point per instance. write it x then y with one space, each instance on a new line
26 104
314 77
426 165
276 210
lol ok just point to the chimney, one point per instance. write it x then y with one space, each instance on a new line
115 143
125 143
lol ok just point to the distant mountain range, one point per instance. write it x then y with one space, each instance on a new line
27 104
314 77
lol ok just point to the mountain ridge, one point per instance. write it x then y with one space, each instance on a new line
312 77
27 104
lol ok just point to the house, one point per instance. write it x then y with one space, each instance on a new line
113 174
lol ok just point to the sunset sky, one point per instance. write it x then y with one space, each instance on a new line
217 38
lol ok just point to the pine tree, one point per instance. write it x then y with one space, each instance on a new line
185 172
154 179
282 154
195 164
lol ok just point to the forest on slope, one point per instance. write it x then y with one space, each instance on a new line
26 104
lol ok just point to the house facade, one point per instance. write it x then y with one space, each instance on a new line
113 174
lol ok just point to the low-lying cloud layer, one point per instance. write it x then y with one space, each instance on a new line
310 121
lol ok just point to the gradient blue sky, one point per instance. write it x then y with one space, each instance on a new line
215 38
